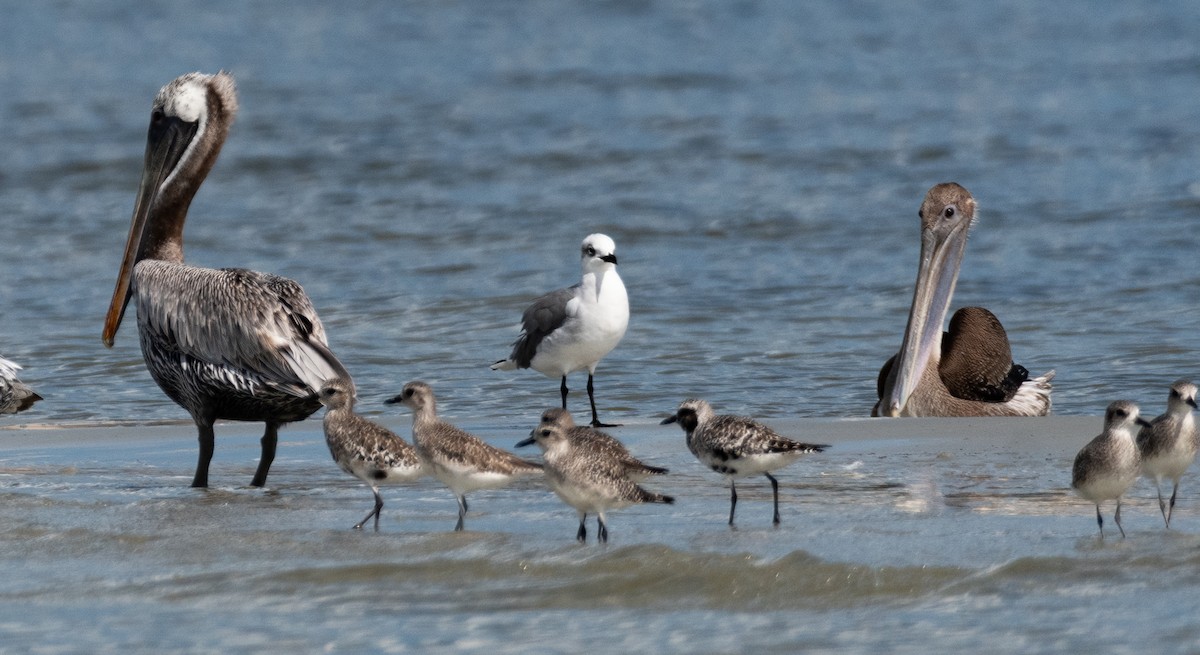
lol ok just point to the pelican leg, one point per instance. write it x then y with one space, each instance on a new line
1117 518
207 443
592 399
373 512
775 493
270 439
602 530
563 390
581 536
462 512
732 500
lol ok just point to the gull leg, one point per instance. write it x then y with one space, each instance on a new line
563 390
592 399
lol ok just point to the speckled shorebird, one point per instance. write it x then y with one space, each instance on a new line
15 396
1168 445
736 446
969 370
460 460
588 478
572 329
604 444
1109 464
366 450
223 343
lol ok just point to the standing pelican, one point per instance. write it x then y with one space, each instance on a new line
222 343
15 395
969 371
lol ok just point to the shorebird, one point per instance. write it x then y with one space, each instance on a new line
736 446
222 343
1168 445
588 478
968 371
460 460
604 444
572 329
366 450
15 396
1109 464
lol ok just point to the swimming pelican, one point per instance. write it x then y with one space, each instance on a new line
223 343
969 371
15 395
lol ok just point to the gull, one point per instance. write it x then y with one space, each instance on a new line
572 329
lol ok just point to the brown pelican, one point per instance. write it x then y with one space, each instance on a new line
969 371
224 344
15 396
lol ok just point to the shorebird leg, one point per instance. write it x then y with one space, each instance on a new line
592 399
602 530
581 536
270 439
1162 504
373 512
207 441
732 500
775 493
1117 518
1099 520
1171 507
462 512
563 390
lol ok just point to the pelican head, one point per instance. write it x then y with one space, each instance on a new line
946 217
189 121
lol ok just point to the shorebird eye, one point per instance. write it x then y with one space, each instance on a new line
948 212
408 393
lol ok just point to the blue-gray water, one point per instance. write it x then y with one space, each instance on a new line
425 169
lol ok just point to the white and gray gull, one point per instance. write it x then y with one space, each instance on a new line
737 446
588 478
15 396
1109 464
572 329
1168 445
366 450
226 343
460 460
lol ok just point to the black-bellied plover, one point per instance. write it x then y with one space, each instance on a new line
572 329
460 460
968 370
587 478
15 396
736 446
1109 464
604 444
1168 445
366 450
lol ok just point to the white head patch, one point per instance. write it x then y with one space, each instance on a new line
185 99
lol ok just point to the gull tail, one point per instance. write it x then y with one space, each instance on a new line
504 365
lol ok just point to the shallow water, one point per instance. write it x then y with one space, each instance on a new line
425 169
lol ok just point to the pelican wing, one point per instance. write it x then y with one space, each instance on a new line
243 326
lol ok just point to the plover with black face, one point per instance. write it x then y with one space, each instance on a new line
1168 446
737 446
604 444
587 478
366 450
572 329
460 460
1110 463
